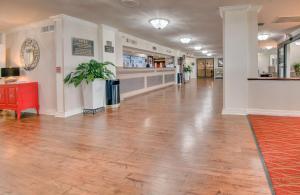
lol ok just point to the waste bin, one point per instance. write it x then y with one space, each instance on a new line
113 93
179 78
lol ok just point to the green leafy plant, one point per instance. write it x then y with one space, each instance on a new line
297 69
88 72
188 68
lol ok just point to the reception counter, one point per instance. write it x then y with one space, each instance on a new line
274 79
274 96
134 81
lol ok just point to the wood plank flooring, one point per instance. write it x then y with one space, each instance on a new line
172 141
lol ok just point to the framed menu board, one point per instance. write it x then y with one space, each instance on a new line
82 47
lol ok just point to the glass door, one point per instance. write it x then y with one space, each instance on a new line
205 68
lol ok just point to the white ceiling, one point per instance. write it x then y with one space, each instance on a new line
198 19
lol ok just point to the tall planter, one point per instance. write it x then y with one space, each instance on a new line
94 94
92 77
187 76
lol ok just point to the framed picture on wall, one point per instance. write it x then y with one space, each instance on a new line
220 62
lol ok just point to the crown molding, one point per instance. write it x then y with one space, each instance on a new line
246 8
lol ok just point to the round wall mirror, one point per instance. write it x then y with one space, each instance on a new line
30 54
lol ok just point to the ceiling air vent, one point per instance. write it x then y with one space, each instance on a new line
49 28
130 3
287 19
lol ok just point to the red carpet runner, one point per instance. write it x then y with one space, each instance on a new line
279 141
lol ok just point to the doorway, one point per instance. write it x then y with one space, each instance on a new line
205 67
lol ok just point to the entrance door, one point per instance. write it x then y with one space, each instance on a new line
205 68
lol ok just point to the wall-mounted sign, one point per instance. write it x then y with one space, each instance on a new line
131 41
108 48
82 47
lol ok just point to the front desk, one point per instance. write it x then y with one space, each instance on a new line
134 81
274 96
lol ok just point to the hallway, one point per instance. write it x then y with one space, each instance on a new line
167 142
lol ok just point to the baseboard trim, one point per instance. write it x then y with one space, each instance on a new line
268 112
69 113
234 111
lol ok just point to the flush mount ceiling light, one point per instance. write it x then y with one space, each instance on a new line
185 40
209 54
297 43
130 3
204 51
263 36
269 47
159 23
197 48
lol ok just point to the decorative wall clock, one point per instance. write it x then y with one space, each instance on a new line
30 54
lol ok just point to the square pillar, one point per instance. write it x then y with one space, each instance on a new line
240 47
107 45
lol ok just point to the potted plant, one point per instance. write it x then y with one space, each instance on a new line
91 76
187 72
297 69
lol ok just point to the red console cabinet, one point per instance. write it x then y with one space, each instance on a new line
19 97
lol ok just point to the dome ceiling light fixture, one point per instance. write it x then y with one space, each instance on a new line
130 3
204 51
197 48
269 47
263 36
209 54
159 23
297 43
185 40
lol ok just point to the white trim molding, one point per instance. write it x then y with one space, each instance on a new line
234 111
248 7
268 112
69 113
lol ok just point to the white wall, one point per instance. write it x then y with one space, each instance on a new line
44 73
76 28
107 33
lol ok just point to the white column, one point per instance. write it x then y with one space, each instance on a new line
59 54
2 50
240 55
108 35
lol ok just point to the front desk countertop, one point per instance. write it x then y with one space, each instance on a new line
274 79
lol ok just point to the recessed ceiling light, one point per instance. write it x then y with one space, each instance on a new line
209 54
185 40
197 48
263 37
204 51
297 43
130 3
269 47
159 23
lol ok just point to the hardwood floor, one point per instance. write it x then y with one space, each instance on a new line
169 142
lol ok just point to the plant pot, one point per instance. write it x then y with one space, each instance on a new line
94 96
187 76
